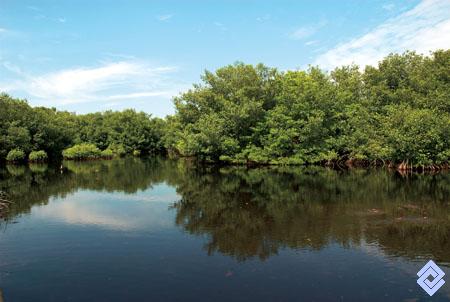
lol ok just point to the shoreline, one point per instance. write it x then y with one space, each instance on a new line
334 164
347 164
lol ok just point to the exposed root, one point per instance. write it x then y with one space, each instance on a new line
405 167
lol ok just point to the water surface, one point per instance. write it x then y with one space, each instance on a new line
166 230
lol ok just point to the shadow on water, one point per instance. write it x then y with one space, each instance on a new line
248 213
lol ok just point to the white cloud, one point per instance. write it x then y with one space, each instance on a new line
424 28
109 81
164 17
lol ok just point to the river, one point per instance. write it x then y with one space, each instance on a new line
157 229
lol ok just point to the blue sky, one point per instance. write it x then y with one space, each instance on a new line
87 56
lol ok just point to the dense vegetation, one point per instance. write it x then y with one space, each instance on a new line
24 129
397 113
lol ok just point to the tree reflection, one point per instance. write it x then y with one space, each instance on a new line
246 213
250 213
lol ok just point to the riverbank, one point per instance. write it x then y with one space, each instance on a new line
402 168
343 164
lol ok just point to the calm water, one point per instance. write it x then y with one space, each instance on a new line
165 230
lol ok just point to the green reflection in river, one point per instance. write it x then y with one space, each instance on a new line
248 213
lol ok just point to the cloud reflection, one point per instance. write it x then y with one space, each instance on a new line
114 211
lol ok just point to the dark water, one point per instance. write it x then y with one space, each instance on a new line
164 230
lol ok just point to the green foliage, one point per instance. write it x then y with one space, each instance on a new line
107 153
37 156
398 111
15 155
121 132
27 128
82 152
117 149
36 128
137 153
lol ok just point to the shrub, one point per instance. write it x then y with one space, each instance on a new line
137 153
107 153
38 156
117 149
15 155
82 152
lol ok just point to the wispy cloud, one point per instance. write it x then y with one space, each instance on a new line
120 56
40 15
34 8
166 17
306 31
388 6
302 33
312 42
266 17
424 28
4 32
109 81
221 26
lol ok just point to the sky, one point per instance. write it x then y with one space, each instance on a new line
86 56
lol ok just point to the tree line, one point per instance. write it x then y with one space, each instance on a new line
37 130
396 113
